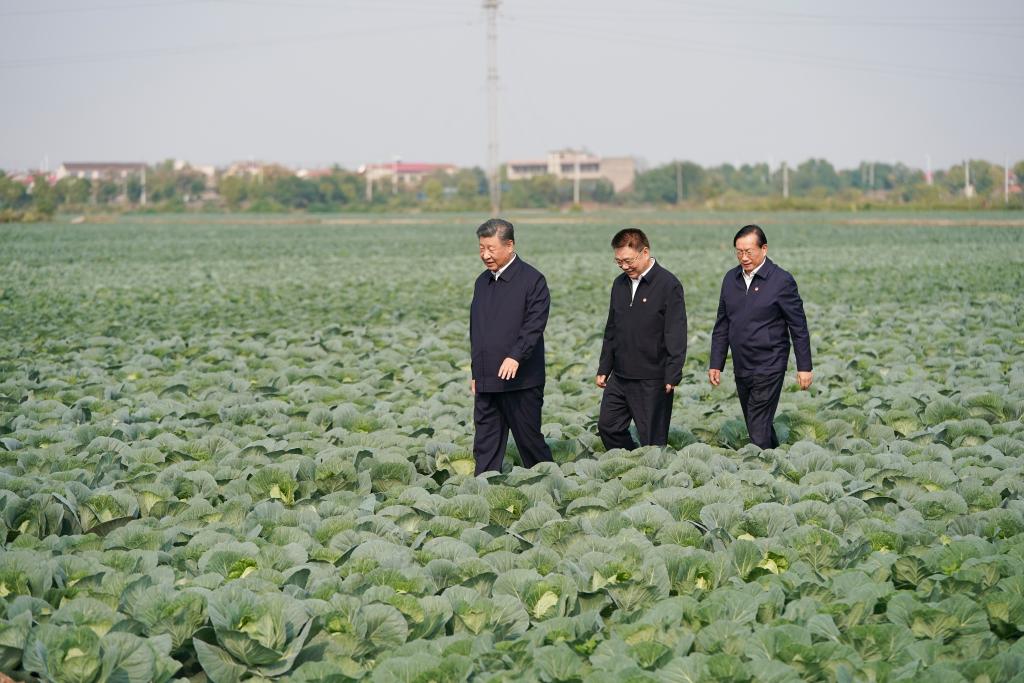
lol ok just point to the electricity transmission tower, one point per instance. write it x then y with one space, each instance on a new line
494 182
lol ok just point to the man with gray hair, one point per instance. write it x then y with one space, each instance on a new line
506 336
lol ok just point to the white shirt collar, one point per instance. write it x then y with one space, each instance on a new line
640 277
634 283
750 278
501 270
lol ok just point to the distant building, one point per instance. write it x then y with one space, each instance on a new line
620 171
313 173
103 170
256 169
399 174
405 174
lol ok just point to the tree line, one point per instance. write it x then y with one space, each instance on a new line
813 184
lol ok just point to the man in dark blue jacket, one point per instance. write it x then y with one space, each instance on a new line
506 336
644 346
758 311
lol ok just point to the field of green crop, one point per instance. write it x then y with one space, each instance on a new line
238 448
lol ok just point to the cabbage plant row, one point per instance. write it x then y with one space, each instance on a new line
237 451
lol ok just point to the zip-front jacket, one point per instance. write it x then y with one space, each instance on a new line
645 336
757 323
507 320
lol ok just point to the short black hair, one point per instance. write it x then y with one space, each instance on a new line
751 230
497 226
630 237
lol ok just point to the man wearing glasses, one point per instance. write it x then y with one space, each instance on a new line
758 311
644 346
506 338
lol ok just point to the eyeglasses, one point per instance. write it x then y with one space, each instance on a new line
628 262
493 250
749 253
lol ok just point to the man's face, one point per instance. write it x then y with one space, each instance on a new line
748 253
632 262
496 252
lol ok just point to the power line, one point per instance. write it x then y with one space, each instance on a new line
98 8
734 15
371 5
63 60
799 58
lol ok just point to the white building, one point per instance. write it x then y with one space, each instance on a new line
101 170
565 164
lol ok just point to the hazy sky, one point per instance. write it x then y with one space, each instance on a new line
315 82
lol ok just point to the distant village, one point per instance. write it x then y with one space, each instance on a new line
576 166
563 178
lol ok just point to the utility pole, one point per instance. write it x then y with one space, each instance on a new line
576 181
142 193
967 179
369 185
492 104
1006 180
785 181
679 183
928 168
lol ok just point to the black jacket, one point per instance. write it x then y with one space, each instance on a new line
645 336
757 323
507 320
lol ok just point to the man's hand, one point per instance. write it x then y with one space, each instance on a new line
472 386
601 381
508 369
715 376
669 388
804 379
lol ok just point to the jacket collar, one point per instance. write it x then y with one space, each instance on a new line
651 275
767 268
510 272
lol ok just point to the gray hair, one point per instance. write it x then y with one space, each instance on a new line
497 226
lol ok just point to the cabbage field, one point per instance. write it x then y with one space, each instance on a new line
238 448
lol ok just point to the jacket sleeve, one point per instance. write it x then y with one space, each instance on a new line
604 365
675 334
720 336
793 311
535 319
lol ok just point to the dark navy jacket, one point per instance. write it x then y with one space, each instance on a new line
645 336
758 323
506 320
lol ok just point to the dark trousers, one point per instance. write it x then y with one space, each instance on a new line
759 397
494 413
642 400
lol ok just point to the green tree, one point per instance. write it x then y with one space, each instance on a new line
107 191
71 190
433 189
659 185
923 193
44 196
986 177
537 192
234 190
133 188
811 175
161 182
12 193
294 192
602 191
470 184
